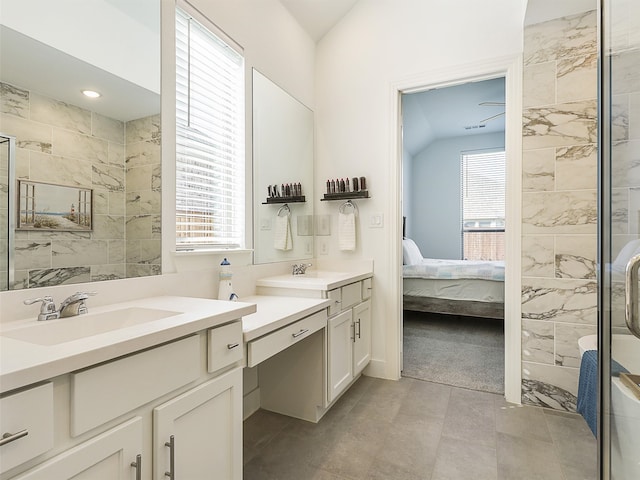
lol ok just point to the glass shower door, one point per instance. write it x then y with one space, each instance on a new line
619 326
7 149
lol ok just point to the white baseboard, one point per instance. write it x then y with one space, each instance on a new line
378 369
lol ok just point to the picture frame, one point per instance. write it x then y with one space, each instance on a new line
53 207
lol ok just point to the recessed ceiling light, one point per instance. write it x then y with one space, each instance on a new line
91 93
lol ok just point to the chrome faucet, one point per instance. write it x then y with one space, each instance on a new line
47 309
75 304
299 269
72 306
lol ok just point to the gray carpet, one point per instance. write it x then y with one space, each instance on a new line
459 351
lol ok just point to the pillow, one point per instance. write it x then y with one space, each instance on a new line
410 252
628 251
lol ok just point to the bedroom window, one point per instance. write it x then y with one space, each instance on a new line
483 205
209 139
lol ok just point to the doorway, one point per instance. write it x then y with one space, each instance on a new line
453 234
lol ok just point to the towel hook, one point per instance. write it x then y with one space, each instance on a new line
347 204
284 208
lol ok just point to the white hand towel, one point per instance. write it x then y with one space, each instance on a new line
347 231
282 234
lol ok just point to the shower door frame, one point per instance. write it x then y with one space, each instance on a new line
11 220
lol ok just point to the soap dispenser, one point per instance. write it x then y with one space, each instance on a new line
225 289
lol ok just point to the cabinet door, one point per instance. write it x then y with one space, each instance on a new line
340 352
206 426
108 456
362 344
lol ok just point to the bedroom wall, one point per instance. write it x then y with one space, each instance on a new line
435 193
559 211
377 44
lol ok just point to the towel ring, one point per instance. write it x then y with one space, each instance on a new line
346 205
284 208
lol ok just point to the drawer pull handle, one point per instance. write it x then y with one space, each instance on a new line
231 346
138 466
12 437
301 332
358 334
172 457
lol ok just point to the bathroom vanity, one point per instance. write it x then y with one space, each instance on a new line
150 387
138 401
344 342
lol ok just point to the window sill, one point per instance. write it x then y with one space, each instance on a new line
210 251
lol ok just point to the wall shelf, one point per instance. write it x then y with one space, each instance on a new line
292 199
345 195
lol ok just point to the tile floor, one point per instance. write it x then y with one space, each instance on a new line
411 430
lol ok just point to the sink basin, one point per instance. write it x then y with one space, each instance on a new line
53 332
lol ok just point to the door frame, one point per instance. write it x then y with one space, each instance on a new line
511 69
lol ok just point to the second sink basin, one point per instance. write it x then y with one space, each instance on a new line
53 332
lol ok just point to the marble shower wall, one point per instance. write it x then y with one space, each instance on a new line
559 209
60 143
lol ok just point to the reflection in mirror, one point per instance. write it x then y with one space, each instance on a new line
282 159
108 145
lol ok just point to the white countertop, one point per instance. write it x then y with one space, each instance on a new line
314 280
23 363
275 312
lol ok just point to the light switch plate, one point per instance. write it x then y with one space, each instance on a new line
376 220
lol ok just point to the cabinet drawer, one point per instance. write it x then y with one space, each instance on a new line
351 294
105 392
366 288
267 346
29 411
336 304
225 346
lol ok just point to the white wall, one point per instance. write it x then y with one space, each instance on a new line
378 44
435 193
407 171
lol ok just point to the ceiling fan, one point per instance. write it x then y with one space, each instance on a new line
491 104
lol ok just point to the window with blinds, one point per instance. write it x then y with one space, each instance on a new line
209 139
483 205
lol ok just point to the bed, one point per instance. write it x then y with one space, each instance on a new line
454 287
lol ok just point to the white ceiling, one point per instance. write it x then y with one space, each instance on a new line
39 68
317 17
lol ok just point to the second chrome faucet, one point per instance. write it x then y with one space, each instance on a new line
299 269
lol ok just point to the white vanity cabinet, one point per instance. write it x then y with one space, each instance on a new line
199 433
348 333
117 420
113 455
349 344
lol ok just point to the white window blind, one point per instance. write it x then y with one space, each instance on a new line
209 139
483 205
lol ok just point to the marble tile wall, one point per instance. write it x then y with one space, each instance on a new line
142 202
559 205
61 143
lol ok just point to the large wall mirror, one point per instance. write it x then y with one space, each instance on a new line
107 149
282 174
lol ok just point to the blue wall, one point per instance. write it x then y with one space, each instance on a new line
433 209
